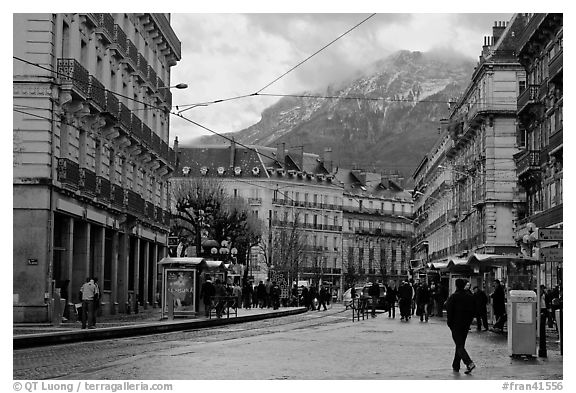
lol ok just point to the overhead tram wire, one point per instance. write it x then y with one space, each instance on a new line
257 93
315 53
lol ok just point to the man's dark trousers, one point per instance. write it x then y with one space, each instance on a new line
459 335
88 313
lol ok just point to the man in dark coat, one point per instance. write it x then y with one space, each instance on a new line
275 293
305 297
261 291
499 305
207 291
322 296
480 302
374 292
391 297
460 312
423 298
405 295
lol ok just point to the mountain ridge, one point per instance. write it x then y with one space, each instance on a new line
385 119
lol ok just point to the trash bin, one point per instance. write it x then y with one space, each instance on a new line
522 323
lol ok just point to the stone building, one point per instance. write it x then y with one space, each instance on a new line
91 157
540 161
377 229
466 195
285 189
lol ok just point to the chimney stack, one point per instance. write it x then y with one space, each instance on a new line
497 30
281 153
486 46
232 152
328 159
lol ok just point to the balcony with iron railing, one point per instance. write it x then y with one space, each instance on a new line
135 203
117 196
119 42
255 201
73 76
87 181
555 65
132 54
68 173
556 140
528 97
96 93
105 27
103 189
112 104
527 161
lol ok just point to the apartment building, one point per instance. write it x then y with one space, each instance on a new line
286 189
540 136
91 157
377 228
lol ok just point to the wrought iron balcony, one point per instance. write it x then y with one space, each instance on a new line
87 181
159 214
146 135
149 211
132 53
124 116
135 203
112 104
152 77
68 173
556 64
117 196
555 140
103 188
528 97
142 66
526 161
96 92
156 143
119 41
105 26
254 201
166 217
136 127
73 76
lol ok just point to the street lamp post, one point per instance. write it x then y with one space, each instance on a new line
178 86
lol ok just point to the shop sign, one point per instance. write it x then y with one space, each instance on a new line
551 254
550 233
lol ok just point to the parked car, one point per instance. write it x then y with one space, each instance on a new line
362 291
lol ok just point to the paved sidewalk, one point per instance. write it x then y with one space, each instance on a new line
125 325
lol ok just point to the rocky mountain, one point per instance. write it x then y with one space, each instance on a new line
405 96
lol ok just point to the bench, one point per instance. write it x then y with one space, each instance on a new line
223 305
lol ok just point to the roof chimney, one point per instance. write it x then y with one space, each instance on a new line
486 46
497 30
232 152
328 159
281 153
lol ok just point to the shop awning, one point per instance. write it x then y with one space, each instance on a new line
438 265
494 260
214 265
181 261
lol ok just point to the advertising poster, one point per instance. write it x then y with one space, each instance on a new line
181 284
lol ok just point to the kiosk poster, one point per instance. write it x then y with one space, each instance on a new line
181 284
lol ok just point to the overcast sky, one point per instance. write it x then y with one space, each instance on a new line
227 55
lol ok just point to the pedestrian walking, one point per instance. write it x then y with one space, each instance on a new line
237 292
275 293
499 306
480 302
374 293
391 298
268 297
247 292
88 292
261 294
207 292
305 297
460 312
405 300
423 298
313 293
219 294
322 298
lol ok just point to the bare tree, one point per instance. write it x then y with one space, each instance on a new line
289 243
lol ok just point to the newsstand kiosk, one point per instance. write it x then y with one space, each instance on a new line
180 286
522 323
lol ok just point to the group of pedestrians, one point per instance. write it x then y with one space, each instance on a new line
415 298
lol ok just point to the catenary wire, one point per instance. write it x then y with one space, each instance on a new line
315 53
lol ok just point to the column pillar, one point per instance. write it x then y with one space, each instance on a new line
145 297
136 272
81 257
114 272
69 259
156 255
99 253
122 270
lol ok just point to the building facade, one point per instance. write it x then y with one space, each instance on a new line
286 190
466 195
377 229
540 118
91 157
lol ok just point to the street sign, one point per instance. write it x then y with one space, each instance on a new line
551 254
549 233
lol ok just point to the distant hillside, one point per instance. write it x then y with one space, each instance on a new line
379 134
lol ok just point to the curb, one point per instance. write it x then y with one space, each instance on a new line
42 339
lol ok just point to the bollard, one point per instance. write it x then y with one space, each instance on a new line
542 346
